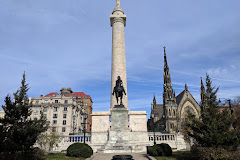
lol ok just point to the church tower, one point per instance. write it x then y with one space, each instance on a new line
169 100
154 110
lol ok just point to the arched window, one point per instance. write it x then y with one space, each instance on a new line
174 113
169 112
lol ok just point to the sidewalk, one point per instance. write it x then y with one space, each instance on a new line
108 156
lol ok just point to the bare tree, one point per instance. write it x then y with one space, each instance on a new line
48 141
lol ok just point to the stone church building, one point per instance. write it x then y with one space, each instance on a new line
169 116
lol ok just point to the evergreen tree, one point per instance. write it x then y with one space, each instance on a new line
236 111
18 131
213 128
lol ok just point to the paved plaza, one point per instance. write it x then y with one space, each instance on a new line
108 156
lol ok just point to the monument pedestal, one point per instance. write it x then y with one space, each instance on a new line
119 138
119 116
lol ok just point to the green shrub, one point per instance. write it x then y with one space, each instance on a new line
79 150
38 153
235 155
23 155
152 151
166 149
158 149
211 153
148 148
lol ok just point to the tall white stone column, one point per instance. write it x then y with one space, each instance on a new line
118 22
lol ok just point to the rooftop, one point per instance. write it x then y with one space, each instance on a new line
73 94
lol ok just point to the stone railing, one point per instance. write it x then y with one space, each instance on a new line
160 137
78 138
176 141
70 139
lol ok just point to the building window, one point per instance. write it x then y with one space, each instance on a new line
63 129
174 113
45 116
35 109
56 101
54 115
35 116
45 109
54 121
64 115
37 102
66 101
64 122
65 109
55 109
169 112
53 129
46 101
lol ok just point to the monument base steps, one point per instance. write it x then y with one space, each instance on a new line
122 142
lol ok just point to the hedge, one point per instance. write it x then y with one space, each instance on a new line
79 150
162 149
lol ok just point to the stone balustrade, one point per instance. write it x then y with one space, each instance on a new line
175 141
78 138
159 137
66 141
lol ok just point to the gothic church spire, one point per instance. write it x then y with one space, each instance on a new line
168 91
169 99
154 100
167 78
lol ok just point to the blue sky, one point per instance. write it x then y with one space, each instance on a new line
67 43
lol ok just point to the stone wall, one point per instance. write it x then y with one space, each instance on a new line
176 141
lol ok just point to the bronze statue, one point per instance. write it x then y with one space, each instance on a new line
119 90
117 3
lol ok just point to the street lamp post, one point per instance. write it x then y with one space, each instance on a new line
84 127
154 140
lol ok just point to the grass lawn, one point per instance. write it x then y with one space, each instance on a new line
180 155
61 156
